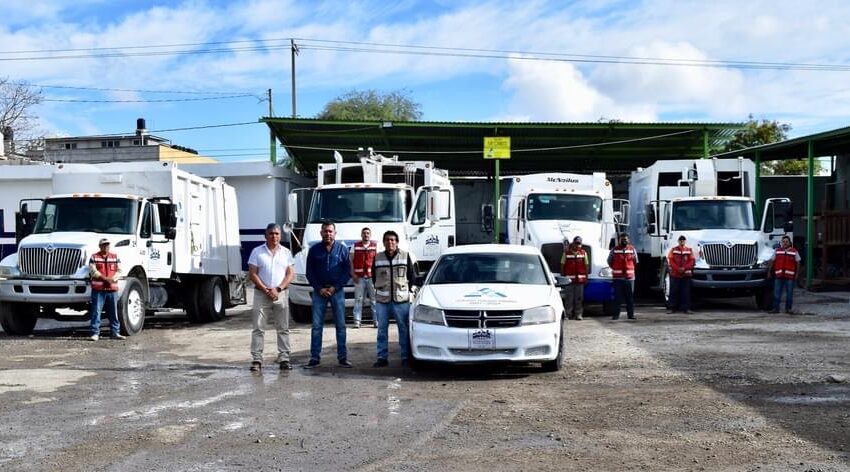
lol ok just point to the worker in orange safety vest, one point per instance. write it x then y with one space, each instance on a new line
622 261
680 263
574 264
785 267
104 269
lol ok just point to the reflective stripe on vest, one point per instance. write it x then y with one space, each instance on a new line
575 266
681 258
785 264
364 255
623 262
108 267
391 284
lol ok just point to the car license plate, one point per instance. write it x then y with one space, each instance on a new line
482 339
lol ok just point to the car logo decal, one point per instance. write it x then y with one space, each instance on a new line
485 293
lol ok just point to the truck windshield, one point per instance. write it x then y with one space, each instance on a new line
489 268
542 206
713 214
358 205
95 215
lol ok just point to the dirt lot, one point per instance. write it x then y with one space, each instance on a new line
727 388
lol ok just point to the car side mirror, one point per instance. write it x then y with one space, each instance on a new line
561 281
419 280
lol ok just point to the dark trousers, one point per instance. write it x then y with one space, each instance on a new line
680 293
624 293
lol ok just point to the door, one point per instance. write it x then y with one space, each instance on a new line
778 218
158 249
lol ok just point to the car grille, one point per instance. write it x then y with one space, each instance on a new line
59 261
483 319
736 255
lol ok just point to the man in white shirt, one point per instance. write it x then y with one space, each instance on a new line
270 268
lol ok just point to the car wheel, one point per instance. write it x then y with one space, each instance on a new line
131 308
210 299
18 319
557 363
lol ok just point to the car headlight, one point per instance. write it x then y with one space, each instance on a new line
300 279
606 272
428 314
538 315
9 272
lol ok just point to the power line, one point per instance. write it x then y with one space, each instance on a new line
105 89
163 100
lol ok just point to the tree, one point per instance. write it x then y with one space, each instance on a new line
17 100
756 133
372 105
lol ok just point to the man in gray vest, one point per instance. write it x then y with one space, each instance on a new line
393 273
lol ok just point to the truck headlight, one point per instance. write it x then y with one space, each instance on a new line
9 272
428 314
763 264
538 315
300 279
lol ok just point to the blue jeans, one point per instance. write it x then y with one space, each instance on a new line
680 293
778 286
320 304
366 285
100 298
400 312
624 292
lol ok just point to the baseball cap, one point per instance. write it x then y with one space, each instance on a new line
682 238
103 241
577 239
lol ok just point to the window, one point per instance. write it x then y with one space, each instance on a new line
418 216
137 142
145 230
110 144
70 145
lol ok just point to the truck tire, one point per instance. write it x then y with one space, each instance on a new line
558 362
131 308
301 314
18 319
210 299
189 293
665 285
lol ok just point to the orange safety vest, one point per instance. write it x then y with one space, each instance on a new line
785 264
364 256
108 267
681 258
574 265
623 262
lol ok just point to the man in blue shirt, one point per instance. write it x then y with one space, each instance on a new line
328 270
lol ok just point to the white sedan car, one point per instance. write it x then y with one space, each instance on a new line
489 302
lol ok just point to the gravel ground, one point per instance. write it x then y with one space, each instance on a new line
727 388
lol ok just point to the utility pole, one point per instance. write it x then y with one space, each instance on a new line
293 52
272 141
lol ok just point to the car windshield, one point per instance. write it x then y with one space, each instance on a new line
713 214
545 206
489 268
358 205
95 215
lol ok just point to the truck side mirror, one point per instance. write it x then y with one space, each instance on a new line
651 229
438 205
487 217
170 218
292 207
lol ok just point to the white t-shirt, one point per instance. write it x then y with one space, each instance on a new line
271 268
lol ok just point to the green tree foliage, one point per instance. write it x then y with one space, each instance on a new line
372 105
756 133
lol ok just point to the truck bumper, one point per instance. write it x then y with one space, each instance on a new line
729 278
48 292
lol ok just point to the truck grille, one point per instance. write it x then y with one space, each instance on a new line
483 319
59 261
736 255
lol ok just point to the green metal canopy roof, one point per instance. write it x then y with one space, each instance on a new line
458 146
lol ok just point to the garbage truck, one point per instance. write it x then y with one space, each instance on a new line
176 235
548 210
412 198
710 202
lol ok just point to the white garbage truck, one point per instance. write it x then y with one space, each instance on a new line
412 198
176 235
548 210
710 202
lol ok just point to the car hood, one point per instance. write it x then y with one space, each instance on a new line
485 296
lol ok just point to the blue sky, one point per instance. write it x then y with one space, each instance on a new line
452 83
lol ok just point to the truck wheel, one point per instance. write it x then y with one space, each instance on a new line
190 301
557 363
18 319
301 314
131 308
665 286
210 297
